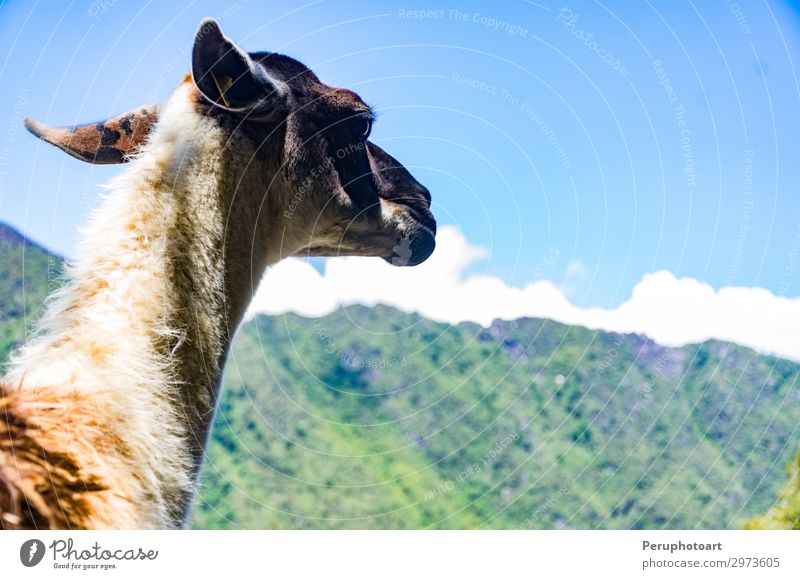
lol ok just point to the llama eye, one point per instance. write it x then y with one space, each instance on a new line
365 128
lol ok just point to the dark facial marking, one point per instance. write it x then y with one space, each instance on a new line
349 157
107 136
125 124
107 155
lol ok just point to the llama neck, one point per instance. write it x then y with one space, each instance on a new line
162 279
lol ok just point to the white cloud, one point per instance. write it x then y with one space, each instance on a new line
671 311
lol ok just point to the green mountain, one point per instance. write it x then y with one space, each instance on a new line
28 273
374 418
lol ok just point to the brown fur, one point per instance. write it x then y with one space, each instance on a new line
43 482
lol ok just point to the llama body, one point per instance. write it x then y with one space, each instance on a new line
132 348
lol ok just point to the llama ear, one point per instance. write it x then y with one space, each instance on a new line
227 76
105 143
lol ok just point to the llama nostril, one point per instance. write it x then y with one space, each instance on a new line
425 220
425 194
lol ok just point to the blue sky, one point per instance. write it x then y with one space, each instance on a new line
629 137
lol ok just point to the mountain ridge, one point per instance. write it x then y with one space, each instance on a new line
13 236
571 410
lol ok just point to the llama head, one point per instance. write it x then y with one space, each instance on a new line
331 190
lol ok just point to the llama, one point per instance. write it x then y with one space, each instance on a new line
105 413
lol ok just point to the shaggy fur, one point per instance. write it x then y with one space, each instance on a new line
125 332
116 392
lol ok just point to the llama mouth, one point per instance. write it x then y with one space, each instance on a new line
408 241
413 247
